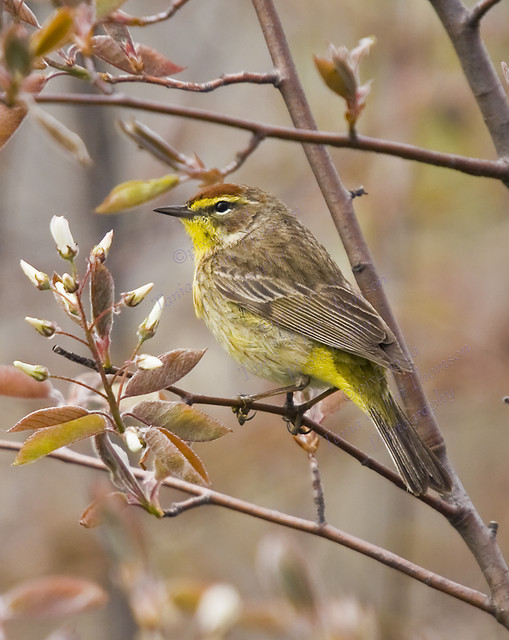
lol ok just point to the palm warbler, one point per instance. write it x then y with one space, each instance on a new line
276 301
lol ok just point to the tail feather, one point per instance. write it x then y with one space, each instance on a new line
417 464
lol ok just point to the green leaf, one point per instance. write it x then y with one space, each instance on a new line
176 364
54 33
186 422
105 7
174 457
49 439
135 192
49 417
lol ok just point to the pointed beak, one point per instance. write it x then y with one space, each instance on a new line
178 211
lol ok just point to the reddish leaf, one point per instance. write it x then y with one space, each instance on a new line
102 293
53 596
174 457
176 364
49 439
122 38
154 63
10 119
17 384
19 9
186 422
49 417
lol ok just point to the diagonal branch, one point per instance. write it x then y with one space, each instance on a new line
327 531
476 534
462 27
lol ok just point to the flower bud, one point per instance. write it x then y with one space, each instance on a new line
35 371
44 327
66 247
148 327
134 297
148 362
132 439
36 277
70 284
69 300
100 251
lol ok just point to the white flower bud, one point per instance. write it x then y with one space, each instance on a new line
66 247
134 297
218 610
44 327
132 440
148 327
100 251
38 278
35 371
148 362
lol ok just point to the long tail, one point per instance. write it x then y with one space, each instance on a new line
417 464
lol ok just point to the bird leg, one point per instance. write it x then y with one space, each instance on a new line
294 424
242 412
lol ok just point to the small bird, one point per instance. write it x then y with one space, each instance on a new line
277 302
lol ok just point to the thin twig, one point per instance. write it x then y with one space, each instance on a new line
199 87
242 155
497 169
318 495
429 578
134 21
478 11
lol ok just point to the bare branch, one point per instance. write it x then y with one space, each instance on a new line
486 168
207 496
199 87
133 21
478 69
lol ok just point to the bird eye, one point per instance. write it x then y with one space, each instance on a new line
222 206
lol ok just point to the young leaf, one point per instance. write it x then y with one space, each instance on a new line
65 139
174 457
94 514
49 417
186 422
155 63
49 439
102 293
16 384
105 7
53 596
122 476
135 192
20 10
142 59
176 364
54 33
122 38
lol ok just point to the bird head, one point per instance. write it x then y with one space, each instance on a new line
223 214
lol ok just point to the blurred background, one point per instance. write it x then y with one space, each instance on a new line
440 241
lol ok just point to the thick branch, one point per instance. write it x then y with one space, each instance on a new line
471 166
207 496
462 27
